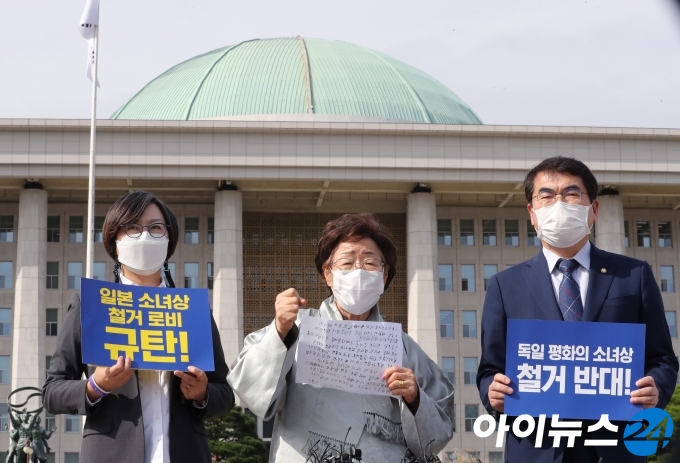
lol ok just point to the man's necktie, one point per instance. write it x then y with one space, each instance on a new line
570 301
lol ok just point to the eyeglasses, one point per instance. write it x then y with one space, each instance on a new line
156 230
569 195
371 265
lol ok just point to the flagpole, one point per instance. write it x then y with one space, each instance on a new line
93 145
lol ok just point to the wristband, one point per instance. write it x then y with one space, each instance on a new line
100 392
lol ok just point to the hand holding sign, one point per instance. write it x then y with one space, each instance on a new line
647 395
498 389
287 305
110 378
194 384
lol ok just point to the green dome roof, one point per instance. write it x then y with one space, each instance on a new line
296 76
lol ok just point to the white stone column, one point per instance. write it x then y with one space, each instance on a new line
609 230
28 329
228 282
422 273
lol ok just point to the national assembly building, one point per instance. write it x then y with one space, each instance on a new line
255 147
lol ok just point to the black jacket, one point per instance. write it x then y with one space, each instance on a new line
114 430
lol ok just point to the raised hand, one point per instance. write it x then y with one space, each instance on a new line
287 305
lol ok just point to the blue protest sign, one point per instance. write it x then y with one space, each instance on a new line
578 370
158 328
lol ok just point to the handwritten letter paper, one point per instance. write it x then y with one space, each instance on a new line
346 355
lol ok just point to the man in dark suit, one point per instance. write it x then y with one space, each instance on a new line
572 280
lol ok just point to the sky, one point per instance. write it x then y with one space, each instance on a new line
613 63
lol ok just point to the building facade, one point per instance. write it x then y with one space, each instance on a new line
451 195
253 179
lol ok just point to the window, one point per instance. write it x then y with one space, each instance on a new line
50 421
53 228
467 232
6 228
51 321
644 239
469 324
532 235
5 322
98 233
446 323
495 457
75 229
48 360
211 277
191 230
71 423
667 280
267 430
672 323
6 275
469 370
4 418
53 275
449 368
467 278
171 267
75 272
190 275
626 240
71 457
474 453
446 277
99 270
211 230
665 235
444 232
4 369
512 232
489 232
489 271
471 414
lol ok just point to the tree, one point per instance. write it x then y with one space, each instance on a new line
671 453
233 438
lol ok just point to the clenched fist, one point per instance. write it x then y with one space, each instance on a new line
287 305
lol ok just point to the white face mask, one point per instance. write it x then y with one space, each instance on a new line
562 225
357 291
144 255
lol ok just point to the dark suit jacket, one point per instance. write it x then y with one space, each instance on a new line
114 430
626 293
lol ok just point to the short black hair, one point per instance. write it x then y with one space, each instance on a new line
129 208
352 228
562 165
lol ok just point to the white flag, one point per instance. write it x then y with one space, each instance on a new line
88 21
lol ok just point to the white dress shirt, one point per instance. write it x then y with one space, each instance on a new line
580 275
154 394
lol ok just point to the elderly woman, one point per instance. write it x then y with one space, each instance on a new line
135 416
356 256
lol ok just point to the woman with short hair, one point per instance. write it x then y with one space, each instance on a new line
357 258
141 416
